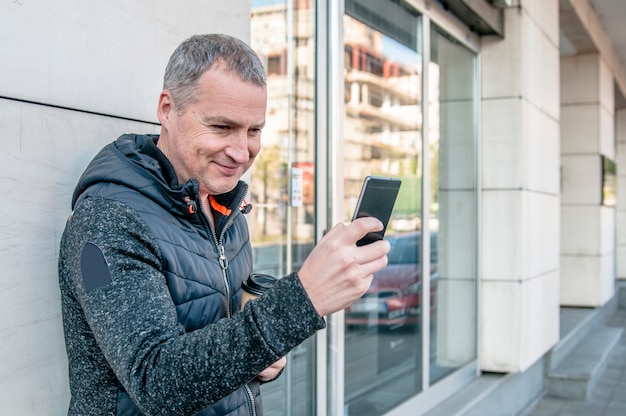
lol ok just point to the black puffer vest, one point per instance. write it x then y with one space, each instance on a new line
204 269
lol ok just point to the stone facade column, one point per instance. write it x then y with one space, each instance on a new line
620 136
520 189
587 226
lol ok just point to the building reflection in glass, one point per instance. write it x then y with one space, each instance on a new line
387 332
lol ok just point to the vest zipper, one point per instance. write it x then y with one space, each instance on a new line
222 256
252 401
224 265
223 260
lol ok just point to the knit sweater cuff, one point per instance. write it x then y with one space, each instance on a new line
285 315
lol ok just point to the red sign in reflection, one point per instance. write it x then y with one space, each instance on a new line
308 181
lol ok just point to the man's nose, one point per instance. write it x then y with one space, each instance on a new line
238 148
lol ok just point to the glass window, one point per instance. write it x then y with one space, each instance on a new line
386 341
282 178
452 212
383 137
395 345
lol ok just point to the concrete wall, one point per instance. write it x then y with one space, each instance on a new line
520 189
74 75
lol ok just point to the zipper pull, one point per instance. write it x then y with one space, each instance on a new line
191 205
224 264
223 259
245 207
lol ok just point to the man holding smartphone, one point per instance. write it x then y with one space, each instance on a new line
377 198
156 249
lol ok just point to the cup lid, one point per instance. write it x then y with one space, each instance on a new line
257 283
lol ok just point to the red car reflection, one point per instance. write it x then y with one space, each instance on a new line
393 299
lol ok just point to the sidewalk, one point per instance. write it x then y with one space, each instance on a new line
608 397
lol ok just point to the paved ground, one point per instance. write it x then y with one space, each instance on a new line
609 395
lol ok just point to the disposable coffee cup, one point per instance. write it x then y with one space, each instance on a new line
255 285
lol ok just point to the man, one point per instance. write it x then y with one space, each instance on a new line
155 251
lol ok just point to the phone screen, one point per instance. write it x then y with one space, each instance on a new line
377 199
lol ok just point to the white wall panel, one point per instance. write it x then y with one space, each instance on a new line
607 133
545 13
579 126
102 56
523 320
502 129
530 37
581 179
540 317
73 76
501 235
520 189
620 136
500 326
583 71
550 64
579 230
541 146
45 150
621 262
501 61
541 244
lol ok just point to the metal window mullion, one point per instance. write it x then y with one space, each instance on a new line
329 188
336 112
321 181
291 131
292 135
426 184
478 202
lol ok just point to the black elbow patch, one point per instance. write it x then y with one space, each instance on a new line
94 268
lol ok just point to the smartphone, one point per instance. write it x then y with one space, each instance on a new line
377 198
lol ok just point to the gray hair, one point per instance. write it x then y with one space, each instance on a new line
198 54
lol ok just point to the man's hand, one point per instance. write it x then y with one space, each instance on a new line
337 272
272 371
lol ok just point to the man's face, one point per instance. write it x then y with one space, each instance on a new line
216 138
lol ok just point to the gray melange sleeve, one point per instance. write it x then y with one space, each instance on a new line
133 320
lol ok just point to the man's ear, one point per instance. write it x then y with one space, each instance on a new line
165 107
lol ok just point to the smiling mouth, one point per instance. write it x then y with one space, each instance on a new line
228 169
